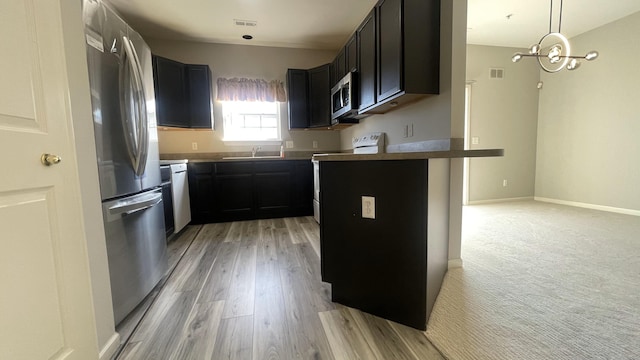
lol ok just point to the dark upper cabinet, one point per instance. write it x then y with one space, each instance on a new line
319 96
351 53
171 93
340 66
366 44
298 94
345 61
199 93
407 53
183 94
389 48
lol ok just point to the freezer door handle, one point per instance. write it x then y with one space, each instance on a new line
127 207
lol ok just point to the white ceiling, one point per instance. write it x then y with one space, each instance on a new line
326 24
487 22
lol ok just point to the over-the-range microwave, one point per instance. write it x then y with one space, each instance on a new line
344 100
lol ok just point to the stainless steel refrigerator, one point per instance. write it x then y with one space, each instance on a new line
123 100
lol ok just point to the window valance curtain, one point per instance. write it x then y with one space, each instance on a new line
250 90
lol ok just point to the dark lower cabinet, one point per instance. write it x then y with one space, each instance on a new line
391 266
234 202
202 193
245 190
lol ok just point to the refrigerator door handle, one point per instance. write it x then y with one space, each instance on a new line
127 207
143 121
129 92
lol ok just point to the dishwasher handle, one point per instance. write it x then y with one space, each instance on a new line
129 207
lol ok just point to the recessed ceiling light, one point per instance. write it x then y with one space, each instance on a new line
247 37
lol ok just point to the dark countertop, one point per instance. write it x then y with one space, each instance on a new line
249 158
236 156
420 155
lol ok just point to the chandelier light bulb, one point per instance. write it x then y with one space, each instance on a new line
573 64
534 49
591 55
516 57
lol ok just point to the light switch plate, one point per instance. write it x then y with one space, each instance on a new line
368 207
289 144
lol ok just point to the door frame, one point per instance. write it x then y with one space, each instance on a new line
467 141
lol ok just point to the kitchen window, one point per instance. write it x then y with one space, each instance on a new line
251 120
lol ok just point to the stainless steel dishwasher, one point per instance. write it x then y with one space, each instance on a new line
180 192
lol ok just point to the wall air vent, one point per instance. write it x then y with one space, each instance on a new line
496 73
249 23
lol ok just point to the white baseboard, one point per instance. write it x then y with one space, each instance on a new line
110 347
454 263
589 206
493 201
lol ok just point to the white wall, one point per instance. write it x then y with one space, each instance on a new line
504 114
230 61
589 122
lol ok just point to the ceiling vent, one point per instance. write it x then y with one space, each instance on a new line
249 23
496 73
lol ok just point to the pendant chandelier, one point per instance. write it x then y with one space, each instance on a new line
557 48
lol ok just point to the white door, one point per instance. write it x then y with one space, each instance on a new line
45 292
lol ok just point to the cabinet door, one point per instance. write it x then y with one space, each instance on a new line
297 89
341 65
366 44
319 97
235 197
351 53
234 191
272 189
302 189
199 91
171 96
389 48
201 192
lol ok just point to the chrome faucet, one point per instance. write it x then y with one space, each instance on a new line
255 150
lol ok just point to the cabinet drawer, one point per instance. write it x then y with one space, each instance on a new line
271 166
244 167
200 168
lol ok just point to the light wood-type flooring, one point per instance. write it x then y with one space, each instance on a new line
252 290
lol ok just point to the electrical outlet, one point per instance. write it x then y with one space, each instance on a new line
368 207
289 144
194 146
475 140
315 144
504 183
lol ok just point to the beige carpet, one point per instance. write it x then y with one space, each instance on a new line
542 281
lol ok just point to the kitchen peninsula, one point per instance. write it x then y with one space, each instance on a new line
385 229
